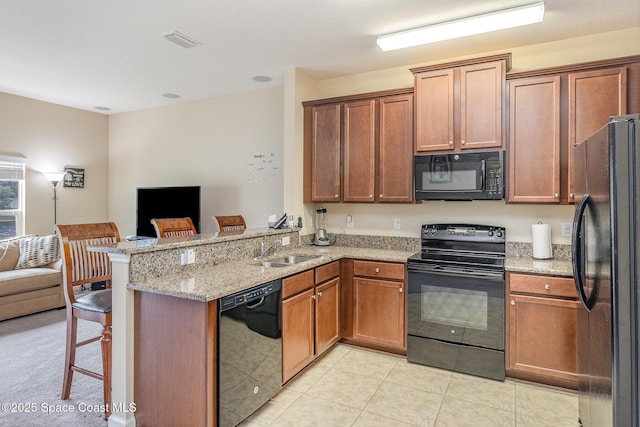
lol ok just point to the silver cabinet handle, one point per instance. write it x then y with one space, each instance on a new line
380 196
572 195
400 290
336 196
319 294
377 270
450 143
462 142
547 286
513 302
313 296
556 195
370 196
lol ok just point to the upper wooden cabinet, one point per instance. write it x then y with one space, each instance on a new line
324 133
551 110
360 148
395 161
460 107
594 96
534 140
359 133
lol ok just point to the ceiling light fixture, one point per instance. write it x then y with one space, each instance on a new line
492 21
261 79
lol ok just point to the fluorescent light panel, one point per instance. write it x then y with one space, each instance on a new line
492 21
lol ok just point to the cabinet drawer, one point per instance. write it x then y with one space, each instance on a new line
328 271
298 283
542 285
388 270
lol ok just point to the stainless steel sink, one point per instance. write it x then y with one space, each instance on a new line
289 260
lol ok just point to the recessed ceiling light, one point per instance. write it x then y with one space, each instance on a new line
171 95
98 107
261 79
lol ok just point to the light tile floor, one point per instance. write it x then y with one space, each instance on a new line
350 386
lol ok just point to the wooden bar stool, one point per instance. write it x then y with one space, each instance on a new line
80 267
230 223
173 227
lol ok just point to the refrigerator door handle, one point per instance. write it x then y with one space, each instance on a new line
577 254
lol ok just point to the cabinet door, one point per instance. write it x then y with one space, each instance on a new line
434 92
395 168
542 336
379 312
534 140
481 100
593 97
359 151
325 153
297 333
327 315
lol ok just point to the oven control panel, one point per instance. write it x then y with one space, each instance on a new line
463 232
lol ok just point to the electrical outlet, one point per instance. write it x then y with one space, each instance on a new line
286 240
188 257
350 221
565 229
397 223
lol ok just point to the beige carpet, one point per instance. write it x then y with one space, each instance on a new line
31 368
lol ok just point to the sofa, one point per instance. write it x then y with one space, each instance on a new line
30 276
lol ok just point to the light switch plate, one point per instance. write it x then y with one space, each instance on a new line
566 229
397 224
286 240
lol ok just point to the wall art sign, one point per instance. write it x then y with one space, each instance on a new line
74 177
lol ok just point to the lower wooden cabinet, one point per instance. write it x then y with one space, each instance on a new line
541 329
379 303
310 316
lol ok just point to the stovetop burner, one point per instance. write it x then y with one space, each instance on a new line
462 246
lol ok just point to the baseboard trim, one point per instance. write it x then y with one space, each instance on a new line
116 421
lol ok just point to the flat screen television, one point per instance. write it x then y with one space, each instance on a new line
166 202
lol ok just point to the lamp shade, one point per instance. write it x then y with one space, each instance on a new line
54 177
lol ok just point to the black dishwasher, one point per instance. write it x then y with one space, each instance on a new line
249 351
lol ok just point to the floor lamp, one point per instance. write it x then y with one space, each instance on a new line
54 179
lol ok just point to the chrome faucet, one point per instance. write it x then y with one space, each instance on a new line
264 249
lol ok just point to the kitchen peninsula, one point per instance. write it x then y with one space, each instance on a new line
165 313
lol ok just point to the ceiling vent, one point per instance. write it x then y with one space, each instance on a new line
181 40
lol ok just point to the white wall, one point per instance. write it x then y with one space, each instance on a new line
51 137
378 219
211 143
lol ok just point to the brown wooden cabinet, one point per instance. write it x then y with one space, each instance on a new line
552 109
594 96
460 107
374 143
395 162
323 132
175 359
359 142
379 303
310 316
534 140
541 329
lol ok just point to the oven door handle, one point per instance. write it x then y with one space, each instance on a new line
457 273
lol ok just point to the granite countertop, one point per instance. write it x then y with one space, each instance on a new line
151 244
216 281
554 267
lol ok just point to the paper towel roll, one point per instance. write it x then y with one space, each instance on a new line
541 238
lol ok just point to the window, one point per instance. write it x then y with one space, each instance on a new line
11 198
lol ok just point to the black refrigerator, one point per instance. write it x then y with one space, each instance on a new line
605 252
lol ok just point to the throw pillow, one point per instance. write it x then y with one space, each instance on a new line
38 251
9 255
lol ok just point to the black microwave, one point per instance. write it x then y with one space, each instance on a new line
460 176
